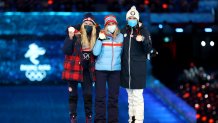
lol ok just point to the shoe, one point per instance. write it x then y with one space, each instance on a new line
133 119
89 119
73 119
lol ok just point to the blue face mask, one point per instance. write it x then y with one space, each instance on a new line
132 22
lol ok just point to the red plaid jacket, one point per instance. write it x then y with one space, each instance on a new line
73 69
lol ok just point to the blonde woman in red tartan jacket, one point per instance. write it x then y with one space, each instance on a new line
79 64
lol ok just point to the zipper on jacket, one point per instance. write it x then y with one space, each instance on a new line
130 40
112 55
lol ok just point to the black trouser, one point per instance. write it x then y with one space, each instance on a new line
87 94
113 81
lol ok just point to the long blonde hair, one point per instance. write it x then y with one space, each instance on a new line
84 37
116 32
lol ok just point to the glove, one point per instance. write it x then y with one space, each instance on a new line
71 31
102 35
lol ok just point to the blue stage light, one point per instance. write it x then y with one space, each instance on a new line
179 30
208 30
160 26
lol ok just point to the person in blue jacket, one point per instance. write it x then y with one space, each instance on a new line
108 48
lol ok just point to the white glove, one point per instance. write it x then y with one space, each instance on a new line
102 35
71 31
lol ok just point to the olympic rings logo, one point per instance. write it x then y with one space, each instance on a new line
35 75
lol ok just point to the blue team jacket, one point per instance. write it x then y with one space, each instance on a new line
108 53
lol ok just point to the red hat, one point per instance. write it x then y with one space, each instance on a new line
110 18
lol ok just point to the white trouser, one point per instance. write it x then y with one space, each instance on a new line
136 105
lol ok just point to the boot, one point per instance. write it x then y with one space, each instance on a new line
133 119
89 119
73 119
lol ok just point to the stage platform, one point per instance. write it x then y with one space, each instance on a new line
49 104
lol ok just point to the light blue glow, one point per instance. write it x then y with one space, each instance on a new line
160 26
208 29
179 30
